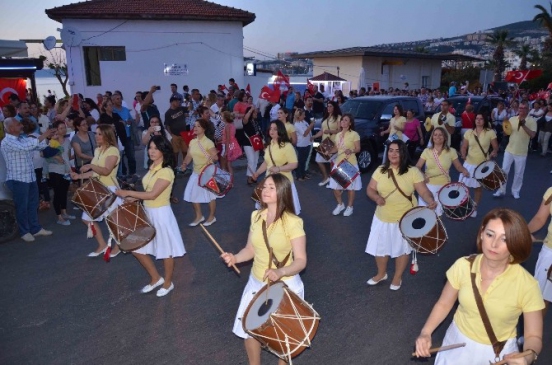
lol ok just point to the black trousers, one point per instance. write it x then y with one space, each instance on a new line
61 188
42 186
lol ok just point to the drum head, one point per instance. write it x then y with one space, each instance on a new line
263 305
484 169
207 174
453 194
417 222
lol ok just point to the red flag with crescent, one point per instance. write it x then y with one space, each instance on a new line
281 82
310 87
519 76
12 86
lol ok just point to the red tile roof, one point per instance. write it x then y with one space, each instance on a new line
150 10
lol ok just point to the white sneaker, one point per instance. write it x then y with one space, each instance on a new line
348 212
325 182
474 214
515 195
498 194
338 209
27 237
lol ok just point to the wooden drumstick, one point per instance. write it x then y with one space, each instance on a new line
523 354
444 348
217 245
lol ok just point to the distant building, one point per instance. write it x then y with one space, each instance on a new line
130 46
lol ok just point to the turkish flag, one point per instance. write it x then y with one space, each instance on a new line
281 82
269 94
519 76
248 90
310 87
12 86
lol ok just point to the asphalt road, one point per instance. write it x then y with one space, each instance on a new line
60 307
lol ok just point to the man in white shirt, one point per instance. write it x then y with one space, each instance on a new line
216 108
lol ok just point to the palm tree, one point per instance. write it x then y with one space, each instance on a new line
524 53
501 41
545 20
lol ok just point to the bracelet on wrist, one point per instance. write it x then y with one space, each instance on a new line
535 355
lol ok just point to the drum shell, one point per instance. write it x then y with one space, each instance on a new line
432 241
129 225
270 335
461 211
219 183
94 198
325 148
492 181
344 173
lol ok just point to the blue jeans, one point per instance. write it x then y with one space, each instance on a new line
25 197
303 154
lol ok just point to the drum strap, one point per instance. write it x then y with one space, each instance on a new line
436 157
479 144
497 345
272 158
279 264
390 173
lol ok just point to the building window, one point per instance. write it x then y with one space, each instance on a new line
92 58
425 81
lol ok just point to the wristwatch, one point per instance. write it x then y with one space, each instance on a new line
534 353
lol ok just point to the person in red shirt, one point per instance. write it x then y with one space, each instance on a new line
468 118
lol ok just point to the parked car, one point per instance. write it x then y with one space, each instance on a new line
372 115
481 104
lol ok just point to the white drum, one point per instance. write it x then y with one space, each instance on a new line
490 175
423 230
456 201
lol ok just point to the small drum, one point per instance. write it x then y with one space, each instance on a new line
215 179
94 198
423 230
281 321
490 175
456 201
344 173
256 195
325 148
130 227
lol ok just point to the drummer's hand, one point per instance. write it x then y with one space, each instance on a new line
432 205
74 175
130 199
121 193
327 131
274 169
255 176
86 168
466 173
228 258
516 361
493 154
273 274
423 344
348 152
380 201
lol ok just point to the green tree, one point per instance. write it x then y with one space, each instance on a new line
545 20
500 40
524 53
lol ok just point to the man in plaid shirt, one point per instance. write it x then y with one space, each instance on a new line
21 178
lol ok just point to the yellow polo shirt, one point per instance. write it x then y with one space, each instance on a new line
519 139
512 293
548 239
99 160
198 157
345 141
280 234
475 156
281 155
332 124
451 120
290 128
397 122
149 180
436 176
396 204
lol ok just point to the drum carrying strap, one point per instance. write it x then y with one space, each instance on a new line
279 264
497 345
479 144
392 175
272 158
436 157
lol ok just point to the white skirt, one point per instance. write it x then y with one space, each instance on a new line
294 283
470 182
319 158
355 185
195 193
168 240
385 239
473 353
295 196
118 201
541 272
435 191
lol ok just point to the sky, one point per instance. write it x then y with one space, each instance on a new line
315 25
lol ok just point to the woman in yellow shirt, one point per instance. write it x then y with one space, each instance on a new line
385 238
286 236
437 160
475 150
202 152
283 116
347 146
104 167
328 129
544 262
280 157
507 291
167 243
396 124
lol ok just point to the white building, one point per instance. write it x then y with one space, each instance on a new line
131 45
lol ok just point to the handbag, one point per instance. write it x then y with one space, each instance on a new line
256 142
497 345
187 136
